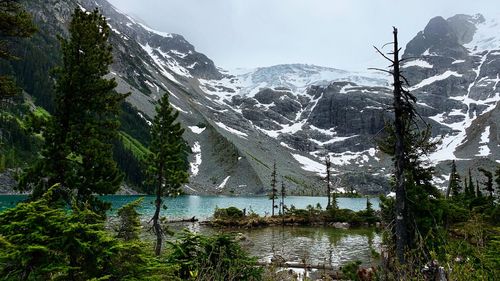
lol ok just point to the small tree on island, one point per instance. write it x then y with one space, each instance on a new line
283 195
165 164
274 192
328 165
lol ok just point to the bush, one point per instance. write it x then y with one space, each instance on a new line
216 257
230 213
39 241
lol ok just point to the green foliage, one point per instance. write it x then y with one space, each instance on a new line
166 169
39 241
166 163
230 213
129 164
129 221
497 179
15 23
454 181
350 270
78 149
217 257
133 122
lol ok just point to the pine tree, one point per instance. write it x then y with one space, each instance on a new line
15 22
478 190
466 188
489 181
472 191
274 191
78 149
328 165
497 179
166 163
129 222
454 181
283 195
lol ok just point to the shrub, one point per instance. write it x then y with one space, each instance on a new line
216 257
228 213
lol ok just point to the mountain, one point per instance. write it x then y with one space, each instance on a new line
238 122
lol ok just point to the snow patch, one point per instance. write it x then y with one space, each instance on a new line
436 78
231 130
223 184
197 130
418 63
195 166
163 34
484 150
310 165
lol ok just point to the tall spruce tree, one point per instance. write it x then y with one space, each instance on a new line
166 163
454 181
15 22
472 191
497 179
328 165
78 149
273 195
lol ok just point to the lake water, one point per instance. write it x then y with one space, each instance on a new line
202 207
314 245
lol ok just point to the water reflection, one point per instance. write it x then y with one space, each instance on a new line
315 245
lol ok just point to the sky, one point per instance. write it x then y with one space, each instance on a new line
332 33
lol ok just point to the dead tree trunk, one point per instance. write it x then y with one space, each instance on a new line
399 127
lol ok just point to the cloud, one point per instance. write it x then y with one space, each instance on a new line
335 33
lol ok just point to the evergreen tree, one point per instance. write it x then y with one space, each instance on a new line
328 165
497 179
466 188
489 181
15 22
472 191
283 195
454 181
274 191
129 222
78 149
166 163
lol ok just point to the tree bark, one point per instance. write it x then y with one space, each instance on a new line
401 228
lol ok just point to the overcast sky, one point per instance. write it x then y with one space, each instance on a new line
333 33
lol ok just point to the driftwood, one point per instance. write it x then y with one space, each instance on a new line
193 219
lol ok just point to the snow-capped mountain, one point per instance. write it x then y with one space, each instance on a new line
238 122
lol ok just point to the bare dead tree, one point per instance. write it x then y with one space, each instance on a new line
404 113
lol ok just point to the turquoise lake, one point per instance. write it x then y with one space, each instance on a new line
202 207
316 245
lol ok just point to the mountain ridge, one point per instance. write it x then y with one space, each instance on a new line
239 122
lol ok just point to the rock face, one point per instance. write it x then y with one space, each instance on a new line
239 122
